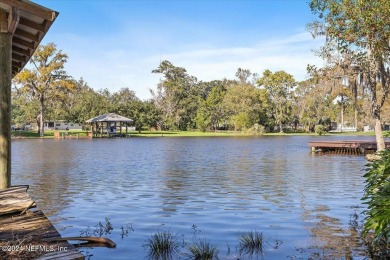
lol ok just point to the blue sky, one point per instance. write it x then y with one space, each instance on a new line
117 43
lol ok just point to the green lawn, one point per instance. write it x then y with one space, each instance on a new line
48 133
355 133
185 133
232 133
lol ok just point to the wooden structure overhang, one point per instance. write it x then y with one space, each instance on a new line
107 124
23 24
27 23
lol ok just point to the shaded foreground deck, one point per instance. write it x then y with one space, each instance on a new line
26 234
345 147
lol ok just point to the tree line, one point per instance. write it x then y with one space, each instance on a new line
351 89
273 101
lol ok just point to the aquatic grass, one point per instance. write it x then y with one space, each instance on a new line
162 245
203 250
103 229
251 243
125 229
100 229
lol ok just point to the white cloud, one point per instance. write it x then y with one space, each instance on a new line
291 54
105 66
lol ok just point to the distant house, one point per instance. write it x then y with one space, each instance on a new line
59 125
338 128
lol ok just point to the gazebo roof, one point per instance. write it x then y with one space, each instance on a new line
28 23
110 117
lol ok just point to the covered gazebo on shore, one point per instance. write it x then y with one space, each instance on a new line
108 124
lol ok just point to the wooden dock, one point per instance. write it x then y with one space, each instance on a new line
70 135
345 147
28 234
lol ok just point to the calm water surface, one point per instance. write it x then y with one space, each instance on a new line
197 188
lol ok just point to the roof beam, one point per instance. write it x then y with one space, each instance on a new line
20 50
32 9
18 57
24 43
27 35
31 24
16 64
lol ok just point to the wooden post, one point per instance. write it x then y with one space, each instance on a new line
5 101
96 129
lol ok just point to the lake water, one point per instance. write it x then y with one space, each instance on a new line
197 188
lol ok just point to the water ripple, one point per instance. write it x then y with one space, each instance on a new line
223 186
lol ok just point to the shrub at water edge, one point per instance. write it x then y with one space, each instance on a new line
377 198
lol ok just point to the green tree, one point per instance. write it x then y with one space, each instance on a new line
47 79
148 116
210 112
334 83
126 103
24 107
243 75
245 105
278 86
85 103
311 106
176 97
362 29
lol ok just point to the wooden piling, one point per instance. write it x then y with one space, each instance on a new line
5 101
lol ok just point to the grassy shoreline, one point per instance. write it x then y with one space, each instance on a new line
50 134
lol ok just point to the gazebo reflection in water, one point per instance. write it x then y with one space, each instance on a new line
110 125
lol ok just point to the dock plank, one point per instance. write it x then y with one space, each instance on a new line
24 233
68 255
14 200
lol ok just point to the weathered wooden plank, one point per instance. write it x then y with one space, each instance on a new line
15 200
14 188
32 9
28 224
62 255
33 228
